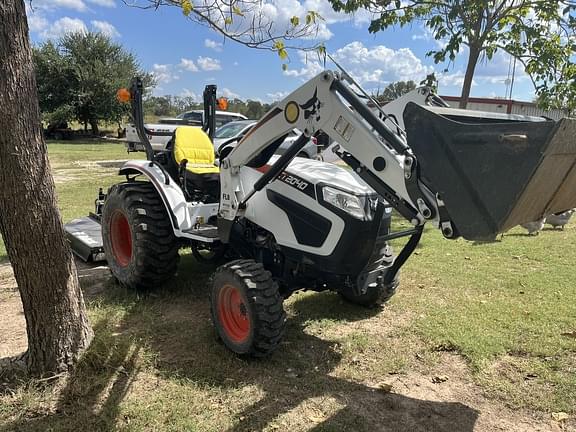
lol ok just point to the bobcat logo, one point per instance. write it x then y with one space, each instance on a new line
312 108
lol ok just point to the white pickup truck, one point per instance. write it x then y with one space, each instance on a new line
167 126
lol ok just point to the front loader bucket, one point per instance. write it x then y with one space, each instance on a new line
493 171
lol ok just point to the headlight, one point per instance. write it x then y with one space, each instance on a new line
351 204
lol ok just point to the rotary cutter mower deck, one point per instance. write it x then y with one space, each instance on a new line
281 223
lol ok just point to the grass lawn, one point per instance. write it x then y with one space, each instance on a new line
78 176
494 321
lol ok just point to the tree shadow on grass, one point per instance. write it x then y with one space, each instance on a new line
89 398
174 326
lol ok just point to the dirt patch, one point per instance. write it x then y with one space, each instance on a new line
93 277
451 381
13 338
7 282
100 164
66 174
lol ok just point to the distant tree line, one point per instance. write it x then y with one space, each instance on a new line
168 106
79 74
78 77
394 91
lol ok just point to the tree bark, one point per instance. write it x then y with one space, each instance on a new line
94 126
56 321
474 54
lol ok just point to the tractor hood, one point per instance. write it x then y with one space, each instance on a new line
318 172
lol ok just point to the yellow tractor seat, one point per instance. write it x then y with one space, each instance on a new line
198 176
192 144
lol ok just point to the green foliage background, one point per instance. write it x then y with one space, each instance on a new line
78 77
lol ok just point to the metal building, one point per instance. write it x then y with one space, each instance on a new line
507 106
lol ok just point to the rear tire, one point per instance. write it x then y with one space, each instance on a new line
138 238
247 309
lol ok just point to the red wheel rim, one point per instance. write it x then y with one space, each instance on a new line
233 314
121 238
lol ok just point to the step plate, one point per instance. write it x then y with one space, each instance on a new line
85 238
204 233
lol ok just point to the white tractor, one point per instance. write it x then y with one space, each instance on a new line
282 223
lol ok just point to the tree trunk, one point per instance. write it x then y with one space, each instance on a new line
94 126
472 61
57 325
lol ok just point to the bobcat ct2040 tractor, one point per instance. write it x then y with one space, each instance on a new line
283 223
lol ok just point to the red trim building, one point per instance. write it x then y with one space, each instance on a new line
506 106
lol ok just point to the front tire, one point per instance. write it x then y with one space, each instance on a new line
139 242
247 309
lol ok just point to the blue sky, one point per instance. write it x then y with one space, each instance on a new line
185 56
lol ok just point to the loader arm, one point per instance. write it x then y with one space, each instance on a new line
472 174
378 153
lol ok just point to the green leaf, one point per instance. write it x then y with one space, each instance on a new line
283 54
312 16
237 11
227 20
187 7
295 21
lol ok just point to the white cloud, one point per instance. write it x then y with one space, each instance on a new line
330 16
496 70
105 28
104 3
369 65
272 17
310 70
208 64
158 91
63 26
189 94
492 73
455 79
37 23
216 46
277 95
77 5
188 65
227 93
428 36
164 73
